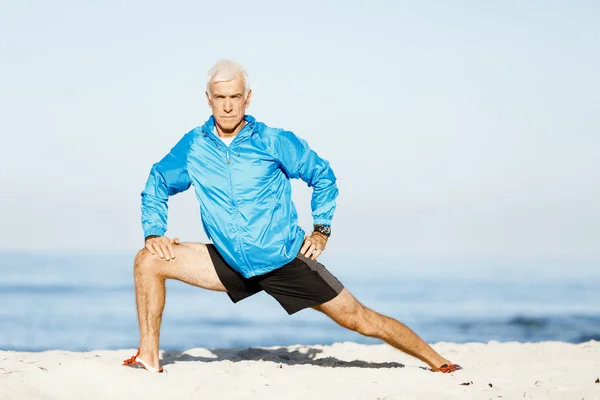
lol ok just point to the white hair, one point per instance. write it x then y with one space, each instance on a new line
226 70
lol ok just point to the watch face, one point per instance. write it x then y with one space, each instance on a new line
324 229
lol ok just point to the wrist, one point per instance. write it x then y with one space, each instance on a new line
324 230
151 237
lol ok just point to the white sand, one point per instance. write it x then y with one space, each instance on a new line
550 370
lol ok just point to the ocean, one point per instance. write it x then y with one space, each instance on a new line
86 302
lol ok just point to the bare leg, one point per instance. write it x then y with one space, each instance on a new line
349 313
192 265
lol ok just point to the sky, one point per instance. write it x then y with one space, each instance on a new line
463 129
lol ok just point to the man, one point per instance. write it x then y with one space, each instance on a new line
241 169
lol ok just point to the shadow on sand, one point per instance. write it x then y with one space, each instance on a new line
279 355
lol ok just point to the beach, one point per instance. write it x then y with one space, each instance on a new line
346 370
439 159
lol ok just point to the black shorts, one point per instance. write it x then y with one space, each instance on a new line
299 284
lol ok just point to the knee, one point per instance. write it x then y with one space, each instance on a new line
144 262
360 322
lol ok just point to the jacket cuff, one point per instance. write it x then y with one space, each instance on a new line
322 221
154 232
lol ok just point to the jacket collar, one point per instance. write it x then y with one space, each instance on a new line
248 129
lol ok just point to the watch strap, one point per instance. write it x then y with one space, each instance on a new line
322 229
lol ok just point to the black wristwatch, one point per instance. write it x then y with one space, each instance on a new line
323 229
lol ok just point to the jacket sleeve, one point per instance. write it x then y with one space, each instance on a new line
298 160
167 177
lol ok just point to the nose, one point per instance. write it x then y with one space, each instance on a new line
227 107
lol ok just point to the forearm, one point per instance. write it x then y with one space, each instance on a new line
323 207
325 192
155 197
154 215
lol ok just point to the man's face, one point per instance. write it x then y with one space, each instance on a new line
226 99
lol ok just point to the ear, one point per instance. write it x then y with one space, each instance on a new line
248 98
208 99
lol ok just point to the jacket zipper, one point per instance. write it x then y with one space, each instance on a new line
235 205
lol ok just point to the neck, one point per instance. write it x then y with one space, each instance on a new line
230 133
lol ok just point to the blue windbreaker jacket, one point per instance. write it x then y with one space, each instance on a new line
244 192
